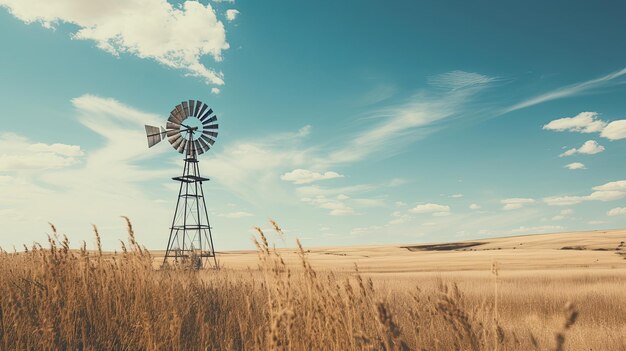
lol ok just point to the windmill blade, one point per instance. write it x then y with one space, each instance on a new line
202 109
175 118
206 115
210 120
197 148
211 134
192 107
172 126
183 144
212 126
197 110
208 140
186 108
180 110
176 141
172 132
203 142
153 134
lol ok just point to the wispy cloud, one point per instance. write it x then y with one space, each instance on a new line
515 203
569 90
304 176
99 188
417 117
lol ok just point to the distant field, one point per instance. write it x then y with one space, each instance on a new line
578 250
535 292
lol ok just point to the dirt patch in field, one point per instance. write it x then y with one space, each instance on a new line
443 247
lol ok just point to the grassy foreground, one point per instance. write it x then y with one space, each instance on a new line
60 299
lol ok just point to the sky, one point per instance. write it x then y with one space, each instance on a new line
349 123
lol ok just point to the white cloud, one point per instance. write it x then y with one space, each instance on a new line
231 14
575 165
61 149
460 79
362 202
588 122
18 154
456 196
619 185
238 214
615 130
607 192
436 209
406 122
515 203
474 207
569 90
303 176
562 215
584 122
563 200
537 229
174 36
215 90
106 184
590 147
337 208
617 211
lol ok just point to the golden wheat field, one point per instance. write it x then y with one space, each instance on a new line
540 292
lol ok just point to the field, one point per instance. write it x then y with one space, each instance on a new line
537 292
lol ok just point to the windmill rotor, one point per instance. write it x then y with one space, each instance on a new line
191 128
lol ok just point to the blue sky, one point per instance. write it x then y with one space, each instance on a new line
347 122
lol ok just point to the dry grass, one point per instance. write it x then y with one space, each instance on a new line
59 299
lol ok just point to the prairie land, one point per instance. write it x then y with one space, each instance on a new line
536 292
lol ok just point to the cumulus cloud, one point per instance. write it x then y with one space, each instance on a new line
215 90
617 211
174 36
615 130
18 154
435 209
337 207
562 215
515 203
231 14
619 185
590 147
575 165
588 122
584 122
474 207
304 176
607 192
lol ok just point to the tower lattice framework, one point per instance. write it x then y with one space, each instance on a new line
190 239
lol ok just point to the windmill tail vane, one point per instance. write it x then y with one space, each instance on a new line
191 129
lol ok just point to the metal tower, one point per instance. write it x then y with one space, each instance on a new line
192 131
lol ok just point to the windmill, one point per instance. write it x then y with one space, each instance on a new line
191 129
